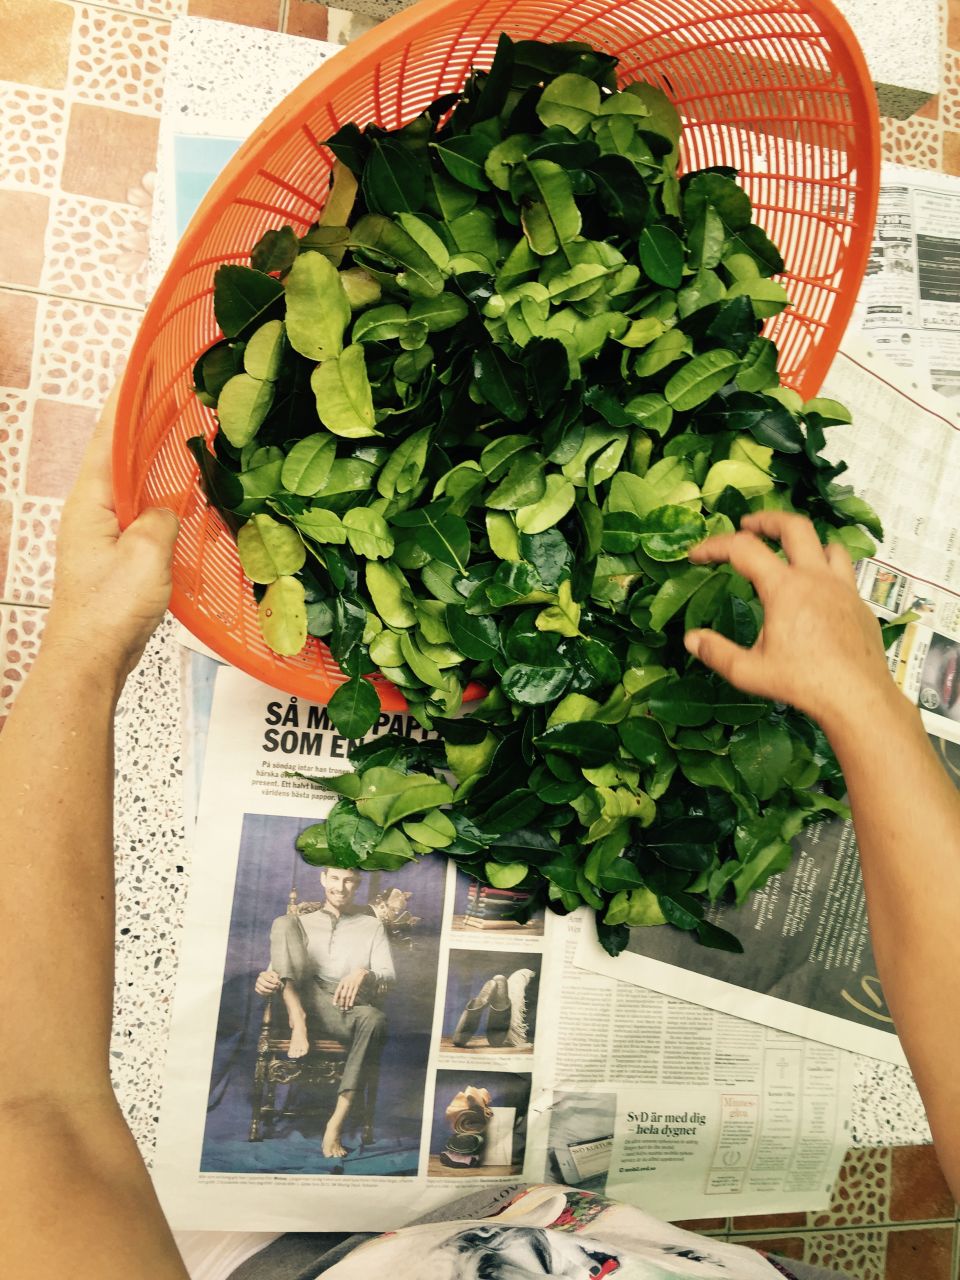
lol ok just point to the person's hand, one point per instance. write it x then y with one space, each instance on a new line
820 647
111 587
267 983
345 996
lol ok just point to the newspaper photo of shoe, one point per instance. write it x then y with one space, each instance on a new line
490 1005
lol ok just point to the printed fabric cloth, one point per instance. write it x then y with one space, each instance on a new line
524 1233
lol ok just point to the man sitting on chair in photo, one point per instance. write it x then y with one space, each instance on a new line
331 964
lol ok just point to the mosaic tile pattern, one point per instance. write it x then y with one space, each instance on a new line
14 427
118 60
20 630
33 549
82 349
33 125
92 251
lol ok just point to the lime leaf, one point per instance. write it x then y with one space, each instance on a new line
268 549
318 311
283 616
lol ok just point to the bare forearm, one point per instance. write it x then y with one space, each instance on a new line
907 818
56 871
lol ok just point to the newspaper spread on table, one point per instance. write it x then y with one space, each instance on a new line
499 1059
909 303
808 966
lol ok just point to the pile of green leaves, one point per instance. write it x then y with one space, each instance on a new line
470 423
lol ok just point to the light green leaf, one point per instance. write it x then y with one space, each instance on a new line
668 532
307 465
344 397
379 324
571 101
439 313
263 354
559 497
242 407
674 594
391 596
321 525
268 549
282 614
742 476
318 311
367 533
700 378
564 616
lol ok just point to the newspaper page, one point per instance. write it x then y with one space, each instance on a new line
482 1041
808 966
909 303
681 1110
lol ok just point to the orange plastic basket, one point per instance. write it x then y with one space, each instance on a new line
777 88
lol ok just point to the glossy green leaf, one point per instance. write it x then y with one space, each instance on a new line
761 754
263 355
686 701
241 296
368 533
661 255
668 532
268 549
343 394
282 614
700 378
354 708
306 467
242 407
318 311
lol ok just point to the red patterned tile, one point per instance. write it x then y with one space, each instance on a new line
97 251
770 1222
23 223
925 1252
14 429
861 1194
33 126
35 48
33 551
785 1246
951 151
58 437
108 151
915 142
919 1192
306 18
18 315
250 13
83 349
20 631
118 59
853 1253
703 1225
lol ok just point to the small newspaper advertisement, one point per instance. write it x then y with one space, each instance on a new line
469 1048
909 303
808 966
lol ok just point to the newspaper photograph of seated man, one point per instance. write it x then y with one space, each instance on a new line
333 965
326 967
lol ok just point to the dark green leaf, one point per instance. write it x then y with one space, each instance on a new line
241 296
589 743
354 708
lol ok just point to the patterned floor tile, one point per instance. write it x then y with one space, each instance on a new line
913 142
250 13
33 550
785 1246
769 1222
23 224
108 151
14 438
59 435
20 632
91 251
856 1253
861 1195
925 1253
953 24
18 318
950 93
951 151
6 524
83 347
705 1226
118 59
33 124
152 8
36 42
307 18
919 1191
